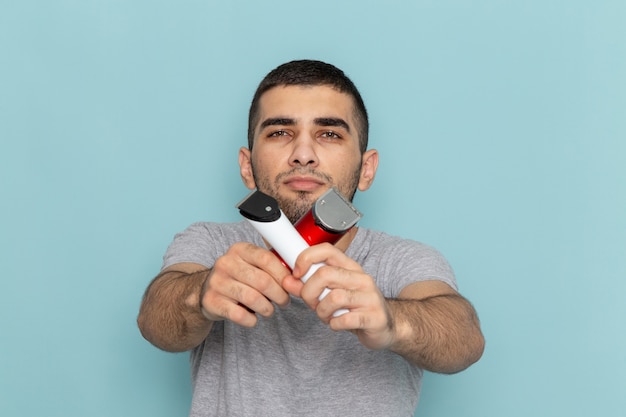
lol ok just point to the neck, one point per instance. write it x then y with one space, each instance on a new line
343 243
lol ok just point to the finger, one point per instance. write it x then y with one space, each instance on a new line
338 303
238 314
257 268
349 290
374 332
216 307
293 286
234 301
323 253
332 278
251 290
263 259
263 271
362 314
263 284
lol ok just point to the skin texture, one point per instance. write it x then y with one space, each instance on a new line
306 141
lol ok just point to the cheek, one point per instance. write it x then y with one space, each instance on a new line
349 164
261 169
264 159
348 176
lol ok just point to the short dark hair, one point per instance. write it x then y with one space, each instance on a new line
310 73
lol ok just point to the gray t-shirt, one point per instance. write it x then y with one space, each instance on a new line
292 363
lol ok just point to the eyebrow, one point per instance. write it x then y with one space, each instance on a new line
277 121
320 121
333 122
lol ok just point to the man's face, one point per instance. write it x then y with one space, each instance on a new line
306 141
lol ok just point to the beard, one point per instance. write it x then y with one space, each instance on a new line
295 208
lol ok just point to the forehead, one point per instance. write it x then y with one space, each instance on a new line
303 102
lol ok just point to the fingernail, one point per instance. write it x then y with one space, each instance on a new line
287 304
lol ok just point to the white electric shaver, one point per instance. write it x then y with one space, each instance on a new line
330 218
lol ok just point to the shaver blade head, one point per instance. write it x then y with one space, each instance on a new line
334 213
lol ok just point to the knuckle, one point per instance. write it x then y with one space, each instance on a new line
248 298
326 245
303 257
238 315
239 246
263 282
338 273
363 321
234 292
221 264
266 310
351 296
239 249
222 311
265 256
336 297
212 308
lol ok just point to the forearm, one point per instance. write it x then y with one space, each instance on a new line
170 316
440 333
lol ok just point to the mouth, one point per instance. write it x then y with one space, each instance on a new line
303 183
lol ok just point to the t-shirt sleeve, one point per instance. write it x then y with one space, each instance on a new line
406 262
199 243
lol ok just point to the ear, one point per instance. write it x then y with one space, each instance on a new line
369 165
245 168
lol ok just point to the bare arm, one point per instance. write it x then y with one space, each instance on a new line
430 324
435 328
182 302
170 316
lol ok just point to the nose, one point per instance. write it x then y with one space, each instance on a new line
303 152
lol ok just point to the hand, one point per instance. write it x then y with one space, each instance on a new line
244 281
351 288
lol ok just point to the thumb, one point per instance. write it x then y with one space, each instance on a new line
293 286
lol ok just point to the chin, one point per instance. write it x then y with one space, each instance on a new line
294 209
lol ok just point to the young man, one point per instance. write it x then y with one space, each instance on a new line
261 343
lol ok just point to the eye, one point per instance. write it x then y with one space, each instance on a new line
330 135
278 133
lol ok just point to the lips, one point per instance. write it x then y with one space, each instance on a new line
303 183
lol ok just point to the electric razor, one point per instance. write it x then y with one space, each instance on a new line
331 216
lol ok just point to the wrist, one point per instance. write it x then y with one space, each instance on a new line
199 296
401 330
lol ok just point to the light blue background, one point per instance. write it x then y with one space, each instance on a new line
501 127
